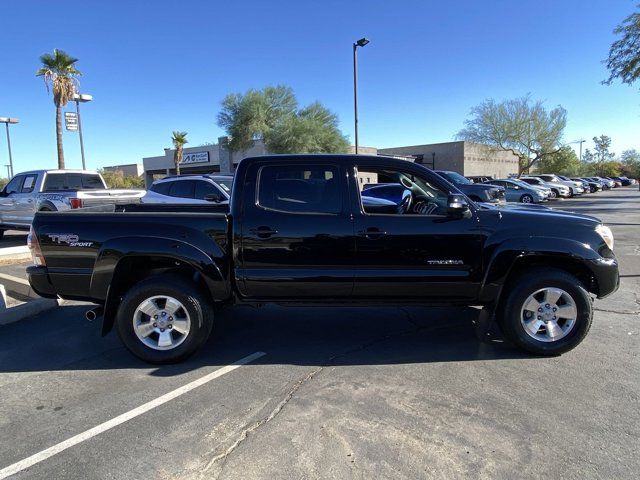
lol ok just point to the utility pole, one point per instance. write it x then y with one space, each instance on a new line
360 43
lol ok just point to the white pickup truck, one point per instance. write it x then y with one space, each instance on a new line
55 190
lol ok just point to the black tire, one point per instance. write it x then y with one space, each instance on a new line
526 198
509 316
195 303
554 194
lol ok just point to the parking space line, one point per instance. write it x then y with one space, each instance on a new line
120 419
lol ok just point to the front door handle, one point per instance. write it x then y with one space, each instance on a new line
263 232
372 233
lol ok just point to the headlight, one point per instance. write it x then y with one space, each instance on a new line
606 234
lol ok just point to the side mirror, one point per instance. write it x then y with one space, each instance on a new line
213 197
457 204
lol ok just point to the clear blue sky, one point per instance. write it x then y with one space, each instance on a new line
159 66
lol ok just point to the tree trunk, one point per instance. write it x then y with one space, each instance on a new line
177 158
59 137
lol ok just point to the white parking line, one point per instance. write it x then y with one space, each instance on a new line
120 419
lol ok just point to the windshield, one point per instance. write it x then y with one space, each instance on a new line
457 178
225 184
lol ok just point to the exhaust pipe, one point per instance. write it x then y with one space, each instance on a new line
94 313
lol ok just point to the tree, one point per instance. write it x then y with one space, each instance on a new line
312 129
630 160
179 140
601 148
521 126
60 77
624 55
272 115
3 182
117 179
564 162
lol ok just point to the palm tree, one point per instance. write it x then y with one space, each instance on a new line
60 76
179 139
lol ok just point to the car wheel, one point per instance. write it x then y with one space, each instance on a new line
547 312
554 194
164 319
526 198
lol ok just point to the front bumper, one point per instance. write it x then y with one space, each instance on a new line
605 271
40 281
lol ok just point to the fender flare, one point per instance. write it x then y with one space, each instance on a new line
114 251
46 203
506 254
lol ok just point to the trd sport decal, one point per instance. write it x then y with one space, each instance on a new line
70 239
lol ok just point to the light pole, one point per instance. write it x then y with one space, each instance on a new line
580 142
360 43
78 98
7 121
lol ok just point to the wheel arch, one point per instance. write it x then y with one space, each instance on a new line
117 268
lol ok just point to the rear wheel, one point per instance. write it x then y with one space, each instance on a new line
526 198
547 312
554 194
164 319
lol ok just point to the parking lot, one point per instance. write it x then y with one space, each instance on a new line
330 393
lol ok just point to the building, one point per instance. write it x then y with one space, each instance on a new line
128 170
466 158
463 157
204 159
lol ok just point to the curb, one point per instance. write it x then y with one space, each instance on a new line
17 285
14 255
33 307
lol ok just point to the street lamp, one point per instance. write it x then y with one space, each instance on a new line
7 121
81 98
360 43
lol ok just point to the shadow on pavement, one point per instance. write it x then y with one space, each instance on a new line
64 340
14 239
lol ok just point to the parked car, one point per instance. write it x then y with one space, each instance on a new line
616 183
477 192
558 190
480 178
575 188
593 185
298 232
52 191
522 192
190 189
578 182
624 181
607 183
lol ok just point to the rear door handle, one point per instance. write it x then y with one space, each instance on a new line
372 233
263 232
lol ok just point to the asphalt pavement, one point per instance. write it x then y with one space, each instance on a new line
339 393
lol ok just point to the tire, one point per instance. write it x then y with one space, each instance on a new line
194 314
513 316
554 194
526 198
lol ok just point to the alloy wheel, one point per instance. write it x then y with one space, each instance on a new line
161 322
548 314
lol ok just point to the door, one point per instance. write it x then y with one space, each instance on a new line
296 232
8 212
414 250
25 206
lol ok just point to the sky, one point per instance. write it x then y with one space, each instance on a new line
158 66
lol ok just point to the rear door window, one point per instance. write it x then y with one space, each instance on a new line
92 182
182 189
300 188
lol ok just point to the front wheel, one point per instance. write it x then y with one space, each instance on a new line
164 319
554 194
547 312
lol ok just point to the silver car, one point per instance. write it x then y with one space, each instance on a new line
190 189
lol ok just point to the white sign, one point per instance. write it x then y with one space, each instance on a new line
71 121
195 157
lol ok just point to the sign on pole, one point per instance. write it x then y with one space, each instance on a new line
71 121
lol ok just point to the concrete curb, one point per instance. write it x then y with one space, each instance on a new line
26 310
17 285
14 255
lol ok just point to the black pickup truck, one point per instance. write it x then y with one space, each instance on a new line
303 229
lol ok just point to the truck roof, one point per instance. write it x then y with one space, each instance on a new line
66 170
